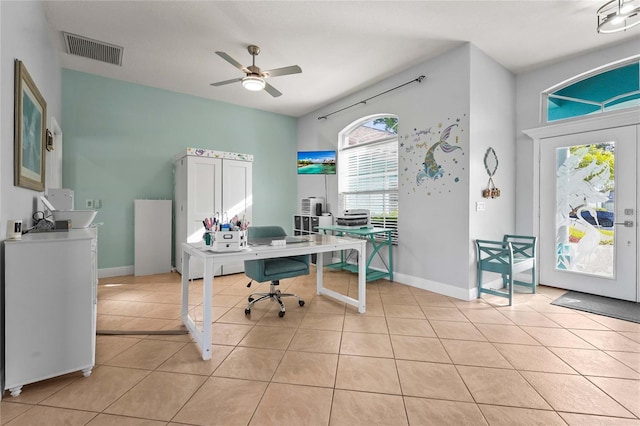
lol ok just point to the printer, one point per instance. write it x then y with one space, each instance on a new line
354 217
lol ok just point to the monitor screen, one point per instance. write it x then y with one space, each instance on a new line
316 162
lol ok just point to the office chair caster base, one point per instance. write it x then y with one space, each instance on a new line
275 295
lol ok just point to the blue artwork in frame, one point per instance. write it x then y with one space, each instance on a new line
316 162
29 132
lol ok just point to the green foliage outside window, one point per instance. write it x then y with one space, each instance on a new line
390 124
602 153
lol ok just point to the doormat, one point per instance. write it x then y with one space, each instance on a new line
614 308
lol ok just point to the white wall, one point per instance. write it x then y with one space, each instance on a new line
2 343
434 214
25 36
529 86
433 227
493 98
437 217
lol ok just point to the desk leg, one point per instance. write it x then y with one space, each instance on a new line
360 303
188 322
207 293
201 337
362 278
185 286
319 271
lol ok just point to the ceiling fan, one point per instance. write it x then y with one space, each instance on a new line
255 78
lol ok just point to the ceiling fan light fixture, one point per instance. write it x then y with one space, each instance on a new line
255 77
253 83
618 15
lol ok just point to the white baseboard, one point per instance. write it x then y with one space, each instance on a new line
115 272
436 287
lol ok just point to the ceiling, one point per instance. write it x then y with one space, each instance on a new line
341 46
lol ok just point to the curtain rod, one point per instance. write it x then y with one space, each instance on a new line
419 80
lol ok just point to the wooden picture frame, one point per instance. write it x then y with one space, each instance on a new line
29 131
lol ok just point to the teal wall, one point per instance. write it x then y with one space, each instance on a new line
120 139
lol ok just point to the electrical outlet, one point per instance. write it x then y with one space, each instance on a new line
97 204
480 206
89 204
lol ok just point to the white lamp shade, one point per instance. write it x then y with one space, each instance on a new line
253 83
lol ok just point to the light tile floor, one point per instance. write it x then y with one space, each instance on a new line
415 357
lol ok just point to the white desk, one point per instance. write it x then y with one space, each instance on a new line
212 260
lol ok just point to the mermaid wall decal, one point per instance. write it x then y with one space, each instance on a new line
433 173
431 168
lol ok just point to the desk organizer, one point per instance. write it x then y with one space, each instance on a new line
226 240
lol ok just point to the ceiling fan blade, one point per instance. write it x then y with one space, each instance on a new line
272 90
232 61
222 83
293 69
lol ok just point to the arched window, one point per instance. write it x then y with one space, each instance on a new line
609 88
368 172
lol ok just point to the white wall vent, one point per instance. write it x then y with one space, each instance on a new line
93 49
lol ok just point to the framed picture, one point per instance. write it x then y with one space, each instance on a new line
316 162
29 131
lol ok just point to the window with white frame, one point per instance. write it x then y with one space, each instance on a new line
368 169
612 87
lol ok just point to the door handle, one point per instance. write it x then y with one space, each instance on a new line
626 223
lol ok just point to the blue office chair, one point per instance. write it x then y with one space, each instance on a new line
273 269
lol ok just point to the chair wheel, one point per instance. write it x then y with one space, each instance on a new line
247 311
301 302
250 299
281 314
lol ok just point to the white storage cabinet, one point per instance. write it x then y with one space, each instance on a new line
50 306
207 182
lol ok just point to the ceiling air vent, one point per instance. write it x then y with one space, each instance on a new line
93 49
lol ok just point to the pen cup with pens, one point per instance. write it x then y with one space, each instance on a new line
210 225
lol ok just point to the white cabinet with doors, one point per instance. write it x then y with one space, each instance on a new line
207 183
50 306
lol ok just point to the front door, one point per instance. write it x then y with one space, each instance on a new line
588 212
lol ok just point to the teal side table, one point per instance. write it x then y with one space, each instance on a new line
368 234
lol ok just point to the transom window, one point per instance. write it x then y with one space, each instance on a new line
368 172
605 89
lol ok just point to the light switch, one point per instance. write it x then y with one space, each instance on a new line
89 204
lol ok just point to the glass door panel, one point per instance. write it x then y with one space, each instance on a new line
588 212
585 209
